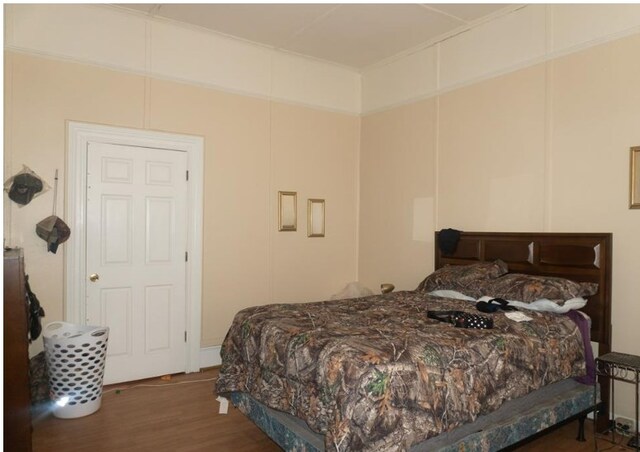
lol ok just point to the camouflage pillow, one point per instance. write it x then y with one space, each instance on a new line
466 279
528 288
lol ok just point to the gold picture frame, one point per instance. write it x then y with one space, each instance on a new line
287 211
634 178
315 218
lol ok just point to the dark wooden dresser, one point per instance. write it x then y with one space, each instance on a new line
17 395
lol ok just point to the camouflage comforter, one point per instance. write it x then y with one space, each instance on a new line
376 374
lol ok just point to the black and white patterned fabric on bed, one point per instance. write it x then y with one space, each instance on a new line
376 373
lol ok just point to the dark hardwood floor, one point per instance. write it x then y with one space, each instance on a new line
184 417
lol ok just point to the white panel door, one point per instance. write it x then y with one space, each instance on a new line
136 245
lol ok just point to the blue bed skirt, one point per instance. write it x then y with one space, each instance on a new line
515 421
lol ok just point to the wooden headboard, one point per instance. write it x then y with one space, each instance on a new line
576 256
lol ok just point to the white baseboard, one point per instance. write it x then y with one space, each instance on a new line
210 356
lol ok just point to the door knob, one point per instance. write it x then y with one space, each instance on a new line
94 277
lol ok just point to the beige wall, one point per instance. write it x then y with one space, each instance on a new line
40 95
253 148
491 154
317 157
542 149
596 119
397 194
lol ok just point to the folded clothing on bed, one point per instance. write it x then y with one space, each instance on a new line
541 305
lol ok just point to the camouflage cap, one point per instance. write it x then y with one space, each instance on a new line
23 187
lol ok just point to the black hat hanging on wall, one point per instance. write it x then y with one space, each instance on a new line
52 229
24 186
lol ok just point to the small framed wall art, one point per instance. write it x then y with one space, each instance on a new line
315 218
634 182
287 211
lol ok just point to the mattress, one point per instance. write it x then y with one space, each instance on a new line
376 373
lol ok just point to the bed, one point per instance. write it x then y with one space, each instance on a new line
376 373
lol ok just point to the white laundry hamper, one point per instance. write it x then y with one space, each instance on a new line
76 356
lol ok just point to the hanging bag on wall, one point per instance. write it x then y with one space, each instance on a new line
53 229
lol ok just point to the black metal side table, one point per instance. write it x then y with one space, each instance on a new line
620 367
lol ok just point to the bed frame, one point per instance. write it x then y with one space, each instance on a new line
577 256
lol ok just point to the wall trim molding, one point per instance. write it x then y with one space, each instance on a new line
439 39
211 86
220 34
513 68
141 38
350 78
507 70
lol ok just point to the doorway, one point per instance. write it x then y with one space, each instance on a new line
133 263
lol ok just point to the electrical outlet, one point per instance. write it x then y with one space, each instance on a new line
625 426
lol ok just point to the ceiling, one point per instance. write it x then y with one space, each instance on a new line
354 35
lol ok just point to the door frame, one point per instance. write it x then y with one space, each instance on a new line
78 136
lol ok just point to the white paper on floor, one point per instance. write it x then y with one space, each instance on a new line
224 405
